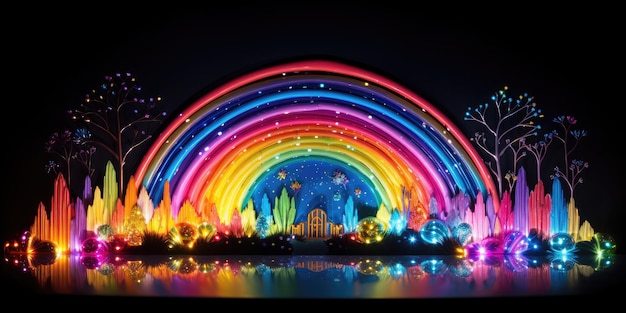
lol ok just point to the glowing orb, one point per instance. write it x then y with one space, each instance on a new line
93 245
206 231
118 242
42 246
183 233
535 242
105 232
434 231
370 229
515 242
562 242
604 243
463 233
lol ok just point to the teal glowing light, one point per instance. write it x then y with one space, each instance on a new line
434 232
562 243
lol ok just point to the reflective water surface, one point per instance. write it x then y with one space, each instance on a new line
313 276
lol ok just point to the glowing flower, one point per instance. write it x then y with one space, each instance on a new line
295 186
340 178
282 174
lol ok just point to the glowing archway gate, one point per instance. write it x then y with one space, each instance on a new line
225 144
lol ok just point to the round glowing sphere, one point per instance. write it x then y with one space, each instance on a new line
370 230
463 233
93 245
434 231
42 246
562 242
206 231
118 243
183 233
105 232
515 242
604 243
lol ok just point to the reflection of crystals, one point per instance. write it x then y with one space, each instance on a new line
188 265
397 271
171 272
369 267
434 266
463 268
562 264
516 262
90 262
136 270
106 269
604 261
206 267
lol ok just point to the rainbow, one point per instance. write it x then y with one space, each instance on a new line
221 150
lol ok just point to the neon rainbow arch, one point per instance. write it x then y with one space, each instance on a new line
338 131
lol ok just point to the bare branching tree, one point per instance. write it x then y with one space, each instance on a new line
539 150
507 123
569 138
120 119
61 145
68 146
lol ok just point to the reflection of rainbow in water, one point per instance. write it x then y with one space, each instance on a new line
301 276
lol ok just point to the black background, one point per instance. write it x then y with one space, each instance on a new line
568 58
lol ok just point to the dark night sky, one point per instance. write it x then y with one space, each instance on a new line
454 59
